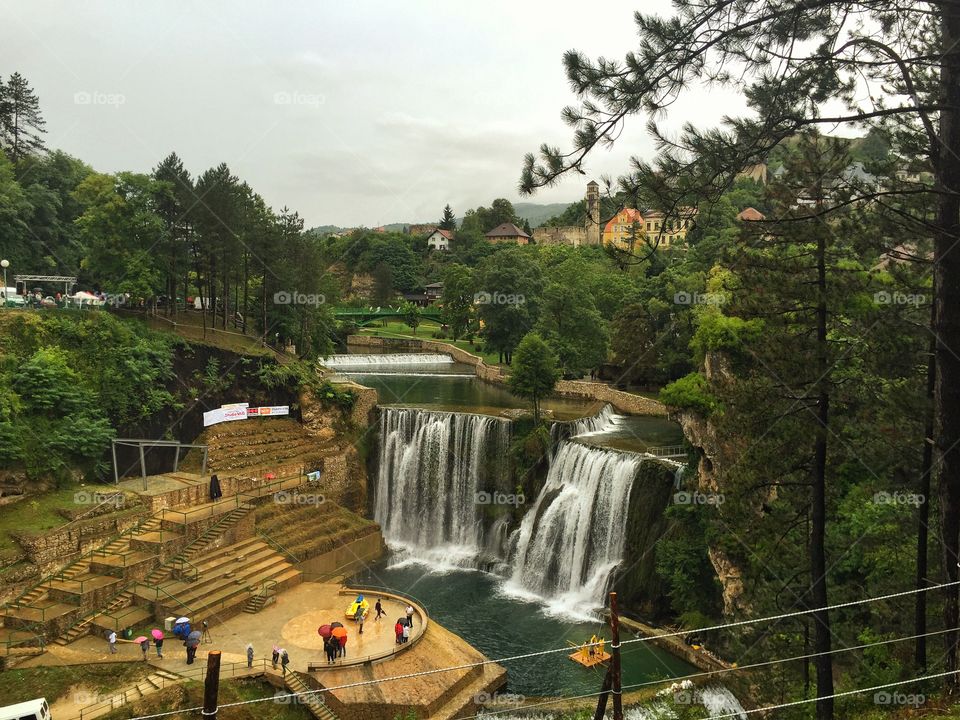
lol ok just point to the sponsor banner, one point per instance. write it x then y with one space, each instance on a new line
268 410
233 406
212 417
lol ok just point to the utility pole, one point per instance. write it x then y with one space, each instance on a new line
612 679
211 685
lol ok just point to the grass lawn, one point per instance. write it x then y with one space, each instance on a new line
425 331
55 681
190 694
38 513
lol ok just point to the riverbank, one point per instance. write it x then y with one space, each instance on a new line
580 389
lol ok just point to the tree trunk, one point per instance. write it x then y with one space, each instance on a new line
923 510
947 329
818 515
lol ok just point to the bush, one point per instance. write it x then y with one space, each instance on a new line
718 332
690 393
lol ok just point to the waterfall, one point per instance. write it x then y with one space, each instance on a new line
572 538
361 363
604 421
434 474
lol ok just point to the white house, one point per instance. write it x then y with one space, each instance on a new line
439 240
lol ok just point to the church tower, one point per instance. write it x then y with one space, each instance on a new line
592 223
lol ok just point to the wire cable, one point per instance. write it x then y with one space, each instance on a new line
542 653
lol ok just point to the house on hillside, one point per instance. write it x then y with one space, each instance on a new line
665 231
421 228
507 233
439 239
750 215
433 291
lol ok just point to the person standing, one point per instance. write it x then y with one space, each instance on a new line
334 647
159 644
360 618
379 609
410 615
112 640
398 631
284 661
275 657
406 631
145 648
249 655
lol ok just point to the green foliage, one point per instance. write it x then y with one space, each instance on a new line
535 372
411 315
690 392
718 332
683 563
457 300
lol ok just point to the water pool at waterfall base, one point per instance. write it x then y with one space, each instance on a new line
473 605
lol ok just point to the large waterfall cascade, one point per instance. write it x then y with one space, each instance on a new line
430 489
435 468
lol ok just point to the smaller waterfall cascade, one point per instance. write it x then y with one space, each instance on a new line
430 490
362 363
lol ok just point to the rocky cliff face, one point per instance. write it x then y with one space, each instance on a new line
716 455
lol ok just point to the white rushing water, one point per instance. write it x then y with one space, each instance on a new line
429 487
373 362
572 538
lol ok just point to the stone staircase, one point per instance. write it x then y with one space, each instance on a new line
111 616
295 682
152 683
226 580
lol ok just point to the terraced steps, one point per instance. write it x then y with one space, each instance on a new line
149 685
305 530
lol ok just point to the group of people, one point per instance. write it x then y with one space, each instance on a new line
333 648
279 655
404 626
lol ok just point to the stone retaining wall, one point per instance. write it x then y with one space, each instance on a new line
591 391
58 548
345 559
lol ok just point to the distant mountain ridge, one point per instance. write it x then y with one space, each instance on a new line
534 213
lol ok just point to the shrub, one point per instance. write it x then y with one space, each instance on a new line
689 393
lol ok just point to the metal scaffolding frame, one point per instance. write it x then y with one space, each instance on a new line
141 444
67 280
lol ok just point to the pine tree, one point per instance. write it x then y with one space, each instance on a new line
448 221
21 123
910 50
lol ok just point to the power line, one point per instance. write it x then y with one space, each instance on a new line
713 673
542 653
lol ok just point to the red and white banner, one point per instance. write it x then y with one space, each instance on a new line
241 411
268 410
224 414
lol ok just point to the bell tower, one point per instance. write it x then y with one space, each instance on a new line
592 223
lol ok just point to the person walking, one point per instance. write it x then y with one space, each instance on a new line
334 647
406 631
379 608
158 642
410 615
249 655
145 648
284 661
275 657
360 619
326 650
398 631
112 641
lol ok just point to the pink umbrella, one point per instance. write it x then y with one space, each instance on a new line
324 631
140 639
157 634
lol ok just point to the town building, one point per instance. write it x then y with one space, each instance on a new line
625 229
587 234
433 291
750 215
439 239
507 233
421 228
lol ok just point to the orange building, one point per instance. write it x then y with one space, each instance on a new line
625 229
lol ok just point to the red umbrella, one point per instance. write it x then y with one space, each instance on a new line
341 634
324 631
140 639
157 634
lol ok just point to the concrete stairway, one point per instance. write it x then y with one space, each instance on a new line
228 578
149 685
313 702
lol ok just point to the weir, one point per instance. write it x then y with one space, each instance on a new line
364 363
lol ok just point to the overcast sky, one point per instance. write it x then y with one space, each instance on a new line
352 113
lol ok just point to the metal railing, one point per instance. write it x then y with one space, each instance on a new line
277 546
199 674
668 451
